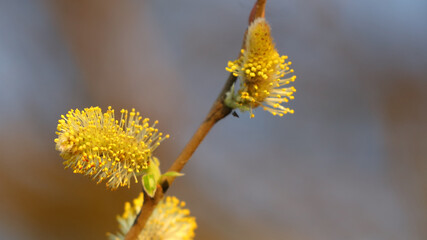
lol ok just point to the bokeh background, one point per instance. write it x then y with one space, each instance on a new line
349 164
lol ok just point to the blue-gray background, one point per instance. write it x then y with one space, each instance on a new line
349 164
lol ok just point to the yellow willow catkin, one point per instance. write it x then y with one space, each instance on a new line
169 221
261 71
96 144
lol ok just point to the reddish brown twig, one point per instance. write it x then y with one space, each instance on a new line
217 112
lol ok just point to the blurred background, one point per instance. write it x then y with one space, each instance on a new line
349 164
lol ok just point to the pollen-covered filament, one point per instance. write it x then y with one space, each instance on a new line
96 144
261 72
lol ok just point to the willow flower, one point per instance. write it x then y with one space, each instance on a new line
169 221
261 72
96 144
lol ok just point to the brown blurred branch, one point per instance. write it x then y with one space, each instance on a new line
217 112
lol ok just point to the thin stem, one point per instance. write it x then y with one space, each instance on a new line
217 112
147 208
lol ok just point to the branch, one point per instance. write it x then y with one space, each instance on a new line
148 207
217 112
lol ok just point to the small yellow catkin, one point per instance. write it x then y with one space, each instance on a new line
169 220
261 71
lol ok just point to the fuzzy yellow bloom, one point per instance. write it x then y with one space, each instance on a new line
169 221
96 144
261 71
